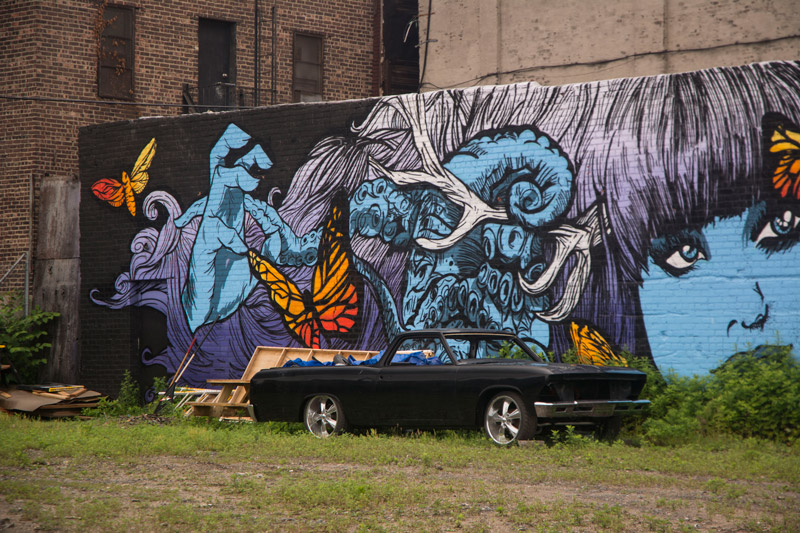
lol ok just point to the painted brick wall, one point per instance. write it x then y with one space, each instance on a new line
49 50
654 217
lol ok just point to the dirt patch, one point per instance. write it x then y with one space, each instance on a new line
205 485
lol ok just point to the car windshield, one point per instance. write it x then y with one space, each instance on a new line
489 347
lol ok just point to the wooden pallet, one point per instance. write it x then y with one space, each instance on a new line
232 402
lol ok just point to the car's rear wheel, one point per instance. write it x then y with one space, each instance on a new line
507 420
324 416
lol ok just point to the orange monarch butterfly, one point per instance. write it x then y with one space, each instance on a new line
331 305
785 144
592 347
115 193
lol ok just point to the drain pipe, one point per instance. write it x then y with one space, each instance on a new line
274 55
30 246
256 65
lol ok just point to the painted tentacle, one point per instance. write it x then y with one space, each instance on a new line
393 326
577 240
475 210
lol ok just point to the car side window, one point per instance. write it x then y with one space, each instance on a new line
408 353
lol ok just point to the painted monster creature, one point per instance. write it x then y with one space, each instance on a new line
476 224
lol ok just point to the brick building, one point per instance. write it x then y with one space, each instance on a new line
73 63
76 62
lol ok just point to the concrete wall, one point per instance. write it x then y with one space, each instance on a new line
654 216
484 42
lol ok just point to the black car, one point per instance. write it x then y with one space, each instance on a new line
450 379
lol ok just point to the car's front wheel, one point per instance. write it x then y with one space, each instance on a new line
324 416
507 420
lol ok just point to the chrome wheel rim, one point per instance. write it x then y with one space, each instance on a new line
322 416
503 420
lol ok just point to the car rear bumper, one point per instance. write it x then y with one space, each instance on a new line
592 409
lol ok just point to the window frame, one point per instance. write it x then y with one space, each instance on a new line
105 90
295 90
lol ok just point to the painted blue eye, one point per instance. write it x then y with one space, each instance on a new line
778 232
685 257
678 253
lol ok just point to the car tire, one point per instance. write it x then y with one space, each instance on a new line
507 420
324 416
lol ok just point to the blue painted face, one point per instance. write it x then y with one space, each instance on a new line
730 288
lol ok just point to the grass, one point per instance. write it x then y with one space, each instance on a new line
115 475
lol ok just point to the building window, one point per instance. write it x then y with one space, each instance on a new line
307 77
115 53
216 63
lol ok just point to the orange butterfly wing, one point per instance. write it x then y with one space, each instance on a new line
592 347
332 307
785 144
109 190
287 298
336 291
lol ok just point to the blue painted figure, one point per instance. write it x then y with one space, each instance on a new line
219 276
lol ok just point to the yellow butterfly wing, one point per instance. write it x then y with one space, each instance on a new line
139 174
592 347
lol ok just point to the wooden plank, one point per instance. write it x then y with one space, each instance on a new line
76 392
219 404
72 406
57 396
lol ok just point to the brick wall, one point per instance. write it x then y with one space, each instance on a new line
634 217
49 50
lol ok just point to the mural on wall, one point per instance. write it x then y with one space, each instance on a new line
655 216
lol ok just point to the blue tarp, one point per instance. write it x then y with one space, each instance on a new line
417 358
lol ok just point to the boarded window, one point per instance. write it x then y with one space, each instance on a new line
115 54
307 78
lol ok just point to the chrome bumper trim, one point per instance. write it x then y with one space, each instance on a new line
600 408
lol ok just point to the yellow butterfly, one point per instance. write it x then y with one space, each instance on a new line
115 193
592 347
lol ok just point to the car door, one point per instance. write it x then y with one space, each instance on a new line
416 394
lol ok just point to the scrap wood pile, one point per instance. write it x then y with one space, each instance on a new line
48 401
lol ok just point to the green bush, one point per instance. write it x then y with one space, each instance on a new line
756 394
753 394
126 404
24 337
